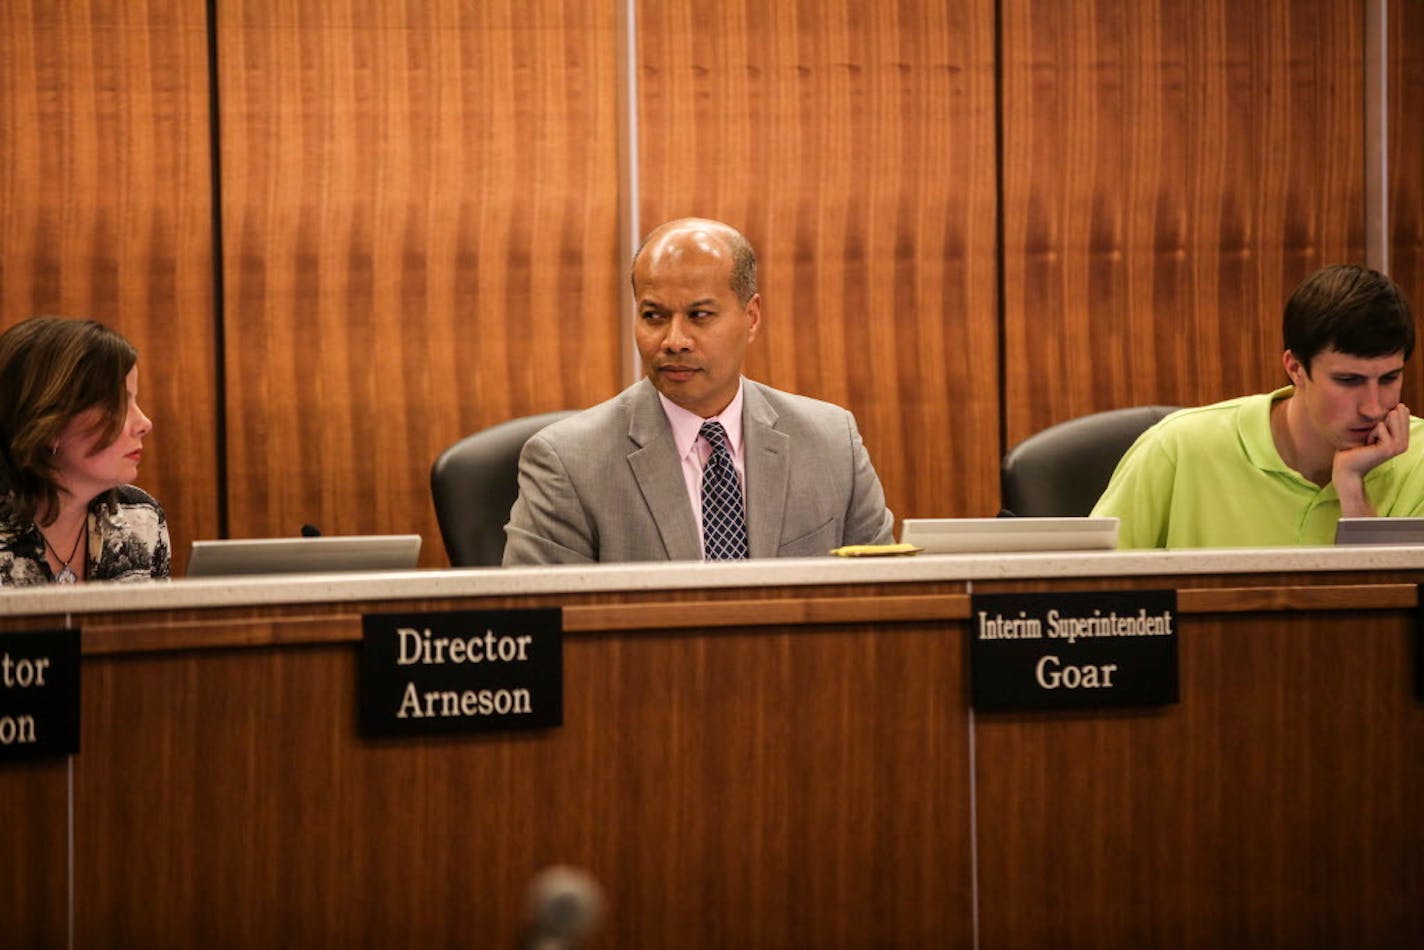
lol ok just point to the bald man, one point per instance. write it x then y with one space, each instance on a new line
695 462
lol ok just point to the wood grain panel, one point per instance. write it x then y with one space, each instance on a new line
302 626
854 145
34 853
1318 597
325 622
1269 590
753 613
778 785
1406 168
1171 170
1275 806
769 790
105 210
420 236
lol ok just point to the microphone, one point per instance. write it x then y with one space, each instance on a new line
310 531
565 905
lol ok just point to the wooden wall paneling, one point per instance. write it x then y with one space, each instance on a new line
854 145
34 853
1406 169
420 240
1171 171
1276 805
738 788
105 211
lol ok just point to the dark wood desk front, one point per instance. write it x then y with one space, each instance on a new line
784 766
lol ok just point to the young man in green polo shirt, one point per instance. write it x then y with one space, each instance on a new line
1282 468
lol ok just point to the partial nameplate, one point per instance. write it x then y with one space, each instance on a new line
1076 650
461 672
39 693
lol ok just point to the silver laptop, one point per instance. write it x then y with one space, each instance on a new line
979 535
1398 531
371 552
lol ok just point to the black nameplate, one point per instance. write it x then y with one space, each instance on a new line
39 693
461 671
1073 650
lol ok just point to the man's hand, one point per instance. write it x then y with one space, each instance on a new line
1388 439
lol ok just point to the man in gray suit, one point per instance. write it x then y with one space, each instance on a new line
694 461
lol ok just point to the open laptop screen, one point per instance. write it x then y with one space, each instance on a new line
984 535
374 552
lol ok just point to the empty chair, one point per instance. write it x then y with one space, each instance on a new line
1062 470
474 483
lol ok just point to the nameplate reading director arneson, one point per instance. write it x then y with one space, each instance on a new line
461 671
1078 649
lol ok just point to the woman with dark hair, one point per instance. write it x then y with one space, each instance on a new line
71 436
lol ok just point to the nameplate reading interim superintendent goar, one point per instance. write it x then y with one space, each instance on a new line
1073 650
39 694
461 672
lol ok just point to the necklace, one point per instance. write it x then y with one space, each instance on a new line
66 574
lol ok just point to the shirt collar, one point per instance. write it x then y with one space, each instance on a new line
1254 426
687 425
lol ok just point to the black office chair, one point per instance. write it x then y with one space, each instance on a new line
1062 470
474 483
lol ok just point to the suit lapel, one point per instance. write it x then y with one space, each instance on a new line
768 472
658 472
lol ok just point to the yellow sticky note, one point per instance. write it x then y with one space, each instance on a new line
876 550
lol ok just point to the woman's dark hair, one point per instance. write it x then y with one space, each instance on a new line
51 370
1352 309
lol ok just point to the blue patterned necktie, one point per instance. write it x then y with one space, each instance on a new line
724 522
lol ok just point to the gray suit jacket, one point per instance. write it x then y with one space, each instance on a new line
607 485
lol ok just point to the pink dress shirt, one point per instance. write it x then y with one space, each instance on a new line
694 451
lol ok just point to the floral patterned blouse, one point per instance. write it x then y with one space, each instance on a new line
128 541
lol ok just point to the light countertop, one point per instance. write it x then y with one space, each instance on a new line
439 584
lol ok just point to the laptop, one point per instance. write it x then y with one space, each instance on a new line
371 552
1398 531
978 535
